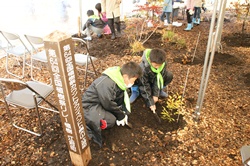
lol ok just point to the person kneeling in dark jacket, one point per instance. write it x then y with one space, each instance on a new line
93 24
155 78
106 100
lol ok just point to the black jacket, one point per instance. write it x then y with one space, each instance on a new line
105 92
102 95
148 82
95 21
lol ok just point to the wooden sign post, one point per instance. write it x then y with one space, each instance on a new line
60 54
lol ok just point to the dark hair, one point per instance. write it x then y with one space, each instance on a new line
98 7
132 69
90 12
157 56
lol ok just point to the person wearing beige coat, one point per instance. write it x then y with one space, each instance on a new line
112 10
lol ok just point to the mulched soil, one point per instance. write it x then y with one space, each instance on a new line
215 139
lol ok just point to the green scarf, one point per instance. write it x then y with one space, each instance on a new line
115 74
94 17
160 81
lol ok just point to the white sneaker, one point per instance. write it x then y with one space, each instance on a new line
87 38
177 24
83 32
166 22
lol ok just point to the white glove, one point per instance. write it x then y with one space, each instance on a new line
191 12
123 121
83 32
153 108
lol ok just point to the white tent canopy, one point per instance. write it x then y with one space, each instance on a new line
40 18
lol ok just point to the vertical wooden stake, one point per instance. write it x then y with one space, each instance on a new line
79 26
60 54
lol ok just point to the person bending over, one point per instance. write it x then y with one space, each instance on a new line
93 24
106 101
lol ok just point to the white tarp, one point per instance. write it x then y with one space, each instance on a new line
38 17
41 17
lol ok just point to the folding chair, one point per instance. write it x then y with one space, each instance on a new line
19 50
245 154
3 46
82 59
37 54
29 95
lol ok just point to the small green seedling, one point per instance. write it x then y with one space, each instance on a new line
173 107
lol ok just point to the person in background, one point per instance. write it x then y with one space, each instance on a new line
176 7
197 11
166 11
112 10
155 78
93 24
189 12
203 6
136 1
106 101
103 17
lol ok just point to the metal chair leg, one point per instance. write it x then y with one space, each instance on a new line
9 72
24 129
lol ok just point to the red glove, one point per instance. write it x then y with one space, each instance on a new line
103 124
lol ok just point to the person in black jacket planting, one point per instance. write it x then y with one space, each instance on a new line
106 100
155 78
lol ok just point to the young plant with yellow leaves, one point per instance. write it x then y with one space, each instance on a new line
181 43
137 33
174 106
167 35
137 46
170 36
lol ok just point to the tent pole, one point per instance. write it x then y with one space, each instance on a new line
219 46
207 68
197 108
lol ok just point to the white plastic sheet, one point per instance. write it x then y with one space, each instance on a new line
41 17
36 17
